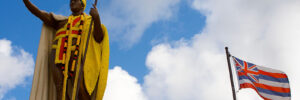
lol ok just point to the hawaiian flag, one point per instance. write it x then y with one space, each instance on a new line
270 84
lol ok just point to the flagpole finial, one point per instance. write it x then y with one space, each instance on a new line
227 52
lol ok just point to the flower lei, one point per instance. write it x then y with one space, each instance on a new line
76 52
65 64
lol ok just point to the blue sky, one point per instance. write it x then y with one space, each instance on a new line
23 29
167 49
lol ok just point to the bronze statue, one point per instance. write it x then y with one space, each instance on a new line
66 50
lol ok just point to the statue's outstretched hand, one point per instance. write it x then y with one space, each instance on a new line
44 16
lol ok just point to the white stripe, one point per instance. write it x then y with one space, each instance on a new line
266 82
269 70
275 84
274 97
245 81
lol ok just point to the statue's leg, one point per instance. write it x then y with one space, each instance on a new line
57 76
83 94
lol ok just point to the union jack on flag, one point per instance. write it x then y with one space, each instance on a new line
247 69
270 84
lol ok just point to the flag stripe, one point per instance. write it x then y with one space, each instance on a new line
273 92
275 75
245 81
248 85
275 84
243 77
266 69
276 89
282 80
274 97
264 86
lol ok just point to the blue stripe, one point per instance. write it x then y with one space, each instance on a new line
282 80
243 77
273 92
246 77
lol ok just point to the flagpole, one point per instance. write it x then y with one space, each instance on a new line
230 73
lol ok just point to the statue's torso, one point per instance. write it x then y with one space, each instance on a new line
66 43
65 50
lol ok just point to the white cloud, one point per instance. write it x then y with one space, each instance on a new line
122 86
263 32
128 19
15 66
185 72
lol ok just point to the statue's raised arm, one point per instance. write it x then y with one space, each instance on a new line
44 16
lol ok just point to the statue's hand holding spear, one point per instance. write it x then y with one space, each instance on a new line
98 33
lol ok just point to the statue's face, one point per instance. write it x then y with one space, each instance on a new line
76 5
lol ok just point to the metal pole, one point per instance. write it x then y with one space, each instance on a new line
230 73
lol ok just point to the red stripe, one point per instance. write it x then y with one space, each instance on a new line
62 32
74 32
275 75
248 85
272 88
75 21
61 52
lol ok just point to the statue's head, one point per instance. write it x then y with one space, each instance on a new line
77 5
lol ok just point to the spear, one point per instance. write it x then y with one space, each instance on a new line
77 84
